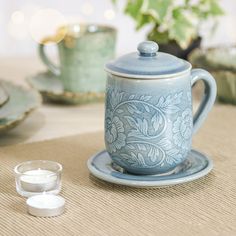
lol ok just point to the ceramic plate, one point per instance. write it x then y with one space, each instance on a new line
3 96
51 88
21 103
196 166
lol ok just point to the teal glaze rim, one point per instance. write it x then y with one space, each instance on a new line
152 184
101 28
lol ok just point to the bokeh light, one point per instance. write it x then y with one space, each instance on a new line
109 14
45 24
17 32
17 17
87 9
17 27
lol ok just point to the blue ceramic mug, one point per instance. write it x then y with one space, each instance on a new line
148 120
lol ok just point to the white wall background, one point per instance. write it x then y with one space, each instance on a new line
16 15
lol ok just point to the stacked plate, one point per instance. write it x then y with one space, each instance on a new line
15 104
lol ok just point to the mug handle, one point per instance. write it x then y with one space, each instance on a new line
208 97
50 65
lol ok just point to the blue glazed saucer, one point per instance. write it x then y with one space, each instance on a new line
194 167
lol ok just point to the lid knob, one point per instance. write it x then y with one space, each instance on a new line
148 49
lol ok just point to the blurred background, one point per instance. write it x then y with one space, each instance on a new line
201 31
17 15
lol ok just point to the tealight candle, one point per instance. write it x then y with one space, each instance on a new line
35 177
45 205
38 180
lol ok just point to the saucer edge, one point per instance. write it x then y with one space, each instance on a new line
150 184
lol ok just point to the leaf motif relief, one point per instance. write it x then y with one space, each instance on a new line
129 159
141 159
170 159
142 147
145 98
167 101
131 97
120 97
119 111
153 154
156 121
172 153
147 109
133 159
160 102
169 104
131 121
133 109
131 147
153 158
114 97
134 133
170 109
142 126
165 144
177 97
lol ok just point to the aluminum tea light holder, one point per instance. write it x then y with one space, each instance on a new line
40 182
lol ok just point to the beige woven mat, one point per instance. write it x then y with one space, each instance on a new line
204 207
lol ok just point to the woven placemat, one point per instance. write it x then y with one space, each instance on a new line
203 207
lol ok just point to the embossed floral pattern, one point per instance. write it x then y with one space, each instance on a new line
114 135
182 129
136 128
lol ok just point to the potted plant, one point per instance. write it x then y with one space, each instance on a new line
175 24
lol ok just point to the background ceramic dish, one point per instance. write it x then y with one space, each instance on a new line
52 89
21 103
83 51
221 62
3 96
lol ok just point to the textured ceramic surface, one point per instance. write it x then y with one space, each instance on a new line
82 55
21 103
222 64
4 97
195 166
149 122
148 62
52 89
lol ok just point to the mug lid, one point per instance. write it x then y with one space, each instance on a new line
147 63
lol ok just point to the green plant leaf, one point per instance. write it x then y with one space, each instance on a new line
143 20
133 8
215 9
159 37
159 8
182 30
170 22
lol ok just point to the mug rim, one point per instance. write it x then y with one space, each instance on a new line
100 28
63 31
